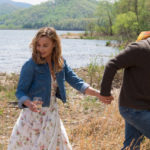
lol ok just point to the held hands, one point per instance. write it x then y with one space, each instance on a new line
106 99
33 106
94 92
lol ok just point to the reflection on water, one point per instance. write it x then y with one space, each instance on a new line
14 50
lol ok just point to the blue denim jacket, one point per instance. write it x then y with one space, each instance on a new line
35 81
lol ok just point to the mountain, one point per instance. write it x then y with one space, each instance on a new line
17 4
61 14
8 6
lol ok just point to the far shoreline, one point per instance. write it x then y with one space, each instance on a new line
79 34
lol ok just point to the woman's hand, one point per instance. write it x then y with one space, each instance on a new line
33 106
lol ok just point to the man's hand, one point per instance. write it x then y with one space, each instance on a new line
106 99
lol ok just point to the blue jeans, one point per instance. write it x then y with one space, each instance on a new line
137 125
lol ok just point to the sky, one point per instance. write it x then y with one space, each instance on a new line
33 2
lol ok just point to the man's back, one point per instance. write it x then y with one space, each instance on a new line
135 90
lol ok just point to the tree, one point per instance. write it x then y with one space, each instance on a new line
144 15
105 17
141 9
126 25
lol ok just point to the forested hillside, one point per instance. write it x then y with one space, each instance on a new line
61 14
8 6
7 9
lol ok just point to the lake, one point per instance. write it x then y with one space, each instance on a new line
14 50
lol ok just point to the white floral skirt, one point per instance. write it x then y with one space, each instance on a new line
39 131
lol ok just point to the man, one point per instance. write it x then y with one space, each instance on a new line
134 99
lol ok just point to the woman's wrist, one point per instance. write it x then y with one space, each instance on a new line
92 91
96 92
27 103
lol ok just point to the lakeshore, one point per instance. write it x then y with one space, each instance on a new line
112 41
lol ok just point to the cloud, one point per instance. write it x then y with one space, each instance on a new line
33 2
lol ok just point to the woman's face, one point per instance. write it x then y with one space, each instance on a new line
45 47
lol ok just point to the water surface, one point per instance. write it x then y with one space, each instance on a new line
14 50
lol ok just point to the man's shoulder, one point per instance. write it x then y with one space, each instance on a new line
143 44
148 42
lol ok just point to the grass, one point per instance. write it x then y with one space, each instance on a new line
90 124
95 72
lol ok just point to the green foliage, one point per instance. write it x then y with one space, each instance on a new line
1 111
144 15
108 43
123 17
140 8
92 69
90 103
95 72
8 6
126 25
99 18
66 14
7 9
105 17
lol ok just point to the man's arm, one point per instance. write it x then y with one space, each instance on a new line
127 58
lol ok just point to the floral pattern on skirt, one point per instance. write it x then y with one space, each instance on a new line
40 131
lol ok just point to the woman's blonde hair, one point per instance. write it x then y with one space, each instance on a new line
57 58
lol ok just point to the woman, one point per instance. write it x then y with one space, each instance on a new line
42 77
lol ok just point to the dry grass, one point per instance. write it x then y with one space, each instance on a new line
103 131
90 124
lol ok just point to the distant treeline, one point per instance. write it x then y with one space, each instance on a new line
124 18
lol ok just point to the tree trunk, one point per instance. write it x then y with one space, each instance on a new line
137 15
110 23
